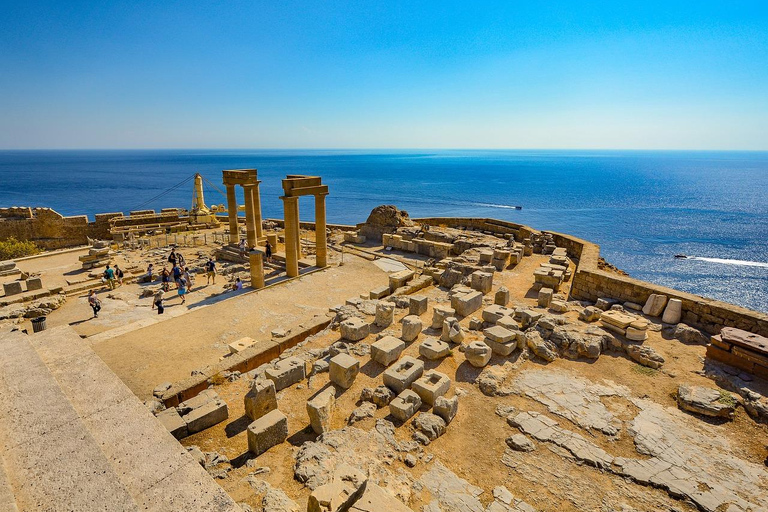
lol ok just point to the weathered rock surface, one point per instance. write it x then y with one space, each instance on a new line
706 401
645 356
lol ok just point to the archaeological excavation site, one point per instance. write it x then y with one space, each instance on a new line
425 364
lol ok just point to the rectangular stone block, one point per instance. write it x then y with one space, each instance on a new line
260 399
431 386
320 409
378 293
417 305
387 350
503 349
208 415
171 420
34 283
494 313
439 314
545 297
243 343
405 405
499 334
287 372
467 303
267 431
12 288
354 329
399 279
481 281
343 370
403 373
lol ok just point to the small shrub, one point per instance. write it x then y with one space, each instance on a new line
726 399
644 370
11 248
217 379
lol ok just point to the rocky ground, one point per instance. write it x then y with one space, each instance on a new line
587 424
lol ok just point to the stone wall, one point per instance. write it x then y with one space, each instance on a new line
45 227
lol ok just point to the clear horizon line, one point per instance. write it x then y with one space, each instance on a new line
715 150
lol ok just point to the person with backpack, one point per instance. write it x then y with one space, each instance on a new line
157 301
94 302
176 271
172 257
210 271
183 289
109 275
119 275
165 277
268 251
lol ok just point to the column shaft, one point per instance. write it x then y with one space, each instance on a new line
321 241
290 208
298 231
250 221
232 214
257 269
257 212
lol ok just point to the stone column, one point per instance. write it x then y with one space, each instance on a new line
256 258
291 209
298 232
232 214
257 212
321 241
250 221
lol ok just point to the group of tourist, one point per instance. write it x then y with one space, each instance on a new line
243 247
113 277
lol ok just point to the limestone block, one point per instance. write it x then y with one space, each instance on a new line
403 373
12 288
388 349
605 303
467 303
475 324
673 312
616 319
171 420
590 314
499 334
486 256
412 327
380 395
545 297
7 265
636 334
385 314
376 499
340 494
267 431
343 370
508 322
481 281
706 401
378 293
417 305
439 314
354 329
559 306
286 372
211 413
431 385
502 349
633 306
654 306
431 425
446 408
320 409
478 354
197 401
243 343
399 279
502 296
452 331
529 317
34 283
405 405
260 399
645 355
493 313
432 349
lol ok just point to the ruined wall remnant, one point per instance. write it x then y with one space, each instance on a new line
45 227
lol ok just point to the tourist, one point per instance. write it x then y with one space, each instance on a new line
180 259
182 289
109 276
238 285
119 275
268 251
187 277
176 271
157 301
210 271
94 302
172 257
243 248
148 276
165 277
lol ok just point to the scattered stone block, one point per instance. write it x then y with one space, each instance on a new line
354 329
590 314
545 297
388 349
381 396
431 385
209 414
481 281
478 354
417 305
320 408
376 499
508 322
475 324
706 401
689 335
34 283
399 279
405 405
529 317
171 420
439 314
385 314
467 303
343 370
403 373
559 306
446 408
260 399
366 410
267 431
412 327
380 292
431 425
616 321
502 296
673 312
655 304
432 349
645 356
605 303
286 372
495 312
637 330
341 493
633 306
243 343
452 331
160 390
500 340
12 288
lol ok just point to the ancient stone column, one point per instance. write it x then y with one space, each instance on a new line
291 209
256 258
257 212
298 232
250 220
232 214
321 241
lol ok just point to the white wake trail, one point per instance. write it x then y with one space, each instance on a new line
731 262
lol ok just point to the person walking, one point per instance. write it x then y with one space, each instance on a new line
183 289
109 275
268 251
172 257
210 271
94 302
176 271
243 248
187 277
119 275
157 301
165 277
148 276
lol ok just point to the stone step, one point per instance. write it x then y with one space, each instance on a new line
51 460
156 470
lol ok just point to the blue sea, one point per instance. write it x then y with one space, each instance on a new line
642 207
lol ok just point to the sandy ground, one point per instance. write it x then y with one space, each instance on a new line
475 441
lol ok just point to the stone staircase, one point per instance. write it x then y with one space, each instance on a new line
74 437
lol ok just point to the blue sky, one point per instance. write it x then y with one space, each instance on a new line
442 74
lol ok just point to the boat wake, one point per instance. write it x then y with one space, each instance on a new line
743 263
501 206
